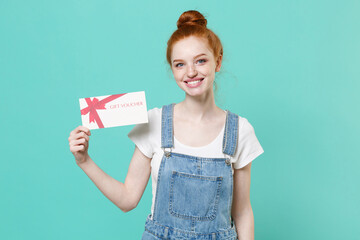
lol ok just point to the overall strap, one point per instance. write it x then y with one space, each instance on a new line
167 133
230 133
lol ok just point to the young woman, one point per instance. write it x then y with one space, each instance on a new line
199 156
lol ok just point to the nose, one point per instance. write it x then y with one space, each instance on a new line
191 71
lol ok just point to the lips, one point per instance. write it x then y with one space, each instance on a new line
193 80
193 83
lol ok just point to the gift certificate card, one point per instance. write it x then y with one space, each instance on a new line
113 110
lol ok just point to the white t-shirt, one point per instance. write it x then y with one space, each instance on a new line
147 138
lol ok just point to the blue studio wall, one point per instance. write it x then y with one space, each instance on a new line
290 67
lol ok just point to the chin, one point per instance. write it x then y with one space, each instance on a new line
198 93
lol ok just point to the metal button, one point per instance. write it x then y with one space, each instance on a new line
227 161
167 154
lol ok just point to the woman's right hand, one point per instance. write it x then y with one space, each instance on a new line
79 143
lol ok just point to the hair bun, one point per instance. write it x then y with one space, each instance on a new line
191 17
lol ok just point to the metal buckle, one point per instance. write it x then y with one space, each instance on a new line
167 153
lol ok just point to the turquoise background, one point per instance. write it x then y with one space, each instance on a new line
292 68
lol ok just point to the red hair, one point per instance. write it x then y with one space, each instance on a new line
193 23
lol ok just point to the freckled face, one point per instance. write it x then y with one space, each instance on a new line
194 66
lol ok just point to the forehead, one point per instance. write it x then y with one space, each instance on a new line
190 47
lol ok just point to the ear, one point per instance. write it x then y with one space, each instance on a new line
218 63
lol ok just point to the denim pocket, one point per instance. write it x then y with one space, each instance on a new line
194 196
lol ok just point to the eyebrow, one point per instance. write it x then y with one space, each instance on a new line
178 60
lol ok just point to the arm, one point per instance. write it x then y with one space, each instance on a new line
124 195
241 209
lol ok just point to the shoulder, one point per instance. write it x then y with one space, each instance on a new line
245 129
243 123
154 118
245 126
154 113
248 146
149 129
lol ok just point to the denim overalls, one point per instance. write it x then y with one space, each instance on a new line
194 194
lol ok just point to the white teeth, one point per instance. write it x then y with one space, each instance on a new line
193 82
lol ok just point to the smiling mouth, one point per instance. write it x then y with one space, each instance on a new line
193 82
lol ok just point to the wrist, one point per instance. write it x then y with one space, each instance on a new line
84 162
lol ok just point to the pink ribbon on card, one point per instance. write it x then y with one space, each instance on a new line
95 104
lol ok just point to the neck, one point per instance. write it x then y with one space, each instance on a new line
200 107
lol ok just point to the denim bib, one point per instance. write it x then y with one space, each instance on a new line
194 194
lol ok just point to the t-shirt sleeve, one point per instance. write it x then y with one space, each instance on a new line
248 147
140 135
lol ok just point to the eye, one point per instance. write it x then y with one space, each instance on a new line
202 60
178 65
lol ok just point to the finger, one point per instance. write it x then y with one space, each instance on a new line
76 136
85 130
81 129
75 131
80 135
75 149
81 141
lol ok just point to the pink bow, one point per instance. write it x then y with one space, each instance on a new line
96 104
